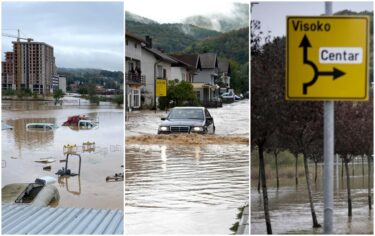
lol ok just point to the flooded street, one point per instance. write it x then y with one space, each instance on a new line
232 119
182 186
290 211
21 147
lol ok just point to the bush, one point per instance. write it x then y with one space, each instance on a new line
178 94
119 99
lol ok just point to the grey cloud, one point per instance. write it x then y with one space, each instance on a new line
90 26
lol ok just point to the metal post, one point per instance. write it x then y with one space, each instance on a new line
328 155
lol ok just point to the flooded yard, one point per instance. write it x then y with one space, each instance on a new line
186 184
21 147
290 211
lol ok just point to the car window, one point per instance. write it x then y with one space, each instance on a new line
186 114
208 115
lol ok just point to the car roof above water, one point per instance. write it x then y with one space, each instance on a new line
201 108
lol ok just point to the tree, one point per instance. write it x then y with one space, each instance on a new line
353 132
57 94
119 99
178 94
303 125
266 97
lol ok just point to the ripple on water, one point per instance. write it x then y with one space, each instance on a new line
185 184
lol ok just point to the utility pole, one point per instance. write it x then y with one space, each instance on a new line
329 109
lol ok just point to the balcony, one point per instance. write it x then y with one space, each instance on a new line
135 79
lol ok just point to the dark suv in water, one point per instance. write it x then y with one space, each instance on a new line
187 120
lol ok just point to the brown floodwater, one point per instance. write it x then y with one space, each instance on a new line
290 212
21 147
177 189
186 184
232 119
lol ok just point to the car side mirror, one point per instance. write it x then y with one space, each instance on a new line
163 118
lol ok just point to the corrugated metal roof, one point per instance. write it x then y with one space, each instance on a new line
27 219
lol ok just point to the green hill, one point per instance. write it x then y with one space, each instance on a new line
232 45
169 37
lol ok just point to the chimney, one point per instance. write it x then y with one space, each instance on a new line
148 41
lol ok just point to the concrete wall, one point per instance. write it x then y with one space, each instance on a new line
204 76
133 50
148 67
178 73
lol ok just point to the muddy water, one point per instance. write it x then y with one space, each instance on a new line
22 147
289 206
185 189
232 119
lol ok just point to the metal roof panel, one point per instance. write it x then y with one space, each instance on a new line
28 219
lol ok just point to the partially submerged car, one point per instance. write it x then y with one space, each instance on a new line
41 126
187 120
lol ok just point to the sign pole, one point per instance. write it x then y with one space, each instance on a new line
328 155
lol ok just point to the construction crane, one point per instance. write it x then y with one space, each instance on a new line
18 53
18 37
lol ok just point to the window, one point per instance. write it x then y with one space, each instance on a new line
199 95
136 98
159 71
164 73
183 76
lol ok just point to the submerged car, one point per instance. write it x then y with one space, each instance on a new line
187 120
43 126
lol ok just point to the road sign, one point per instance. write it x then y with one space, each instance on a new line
161 87
327 58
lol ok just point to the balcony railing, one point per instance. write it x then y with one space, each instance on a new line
133 78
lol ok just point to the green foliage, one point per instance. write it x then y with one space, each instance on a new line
170 37
178 94
119 99
8 92
232 45
82 90
57 94
108 79
24 93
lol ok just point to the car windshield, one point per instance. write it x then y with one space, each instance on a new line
186 114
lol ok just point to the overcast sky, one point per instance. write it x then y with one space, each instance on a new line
272 15
174 11
83 34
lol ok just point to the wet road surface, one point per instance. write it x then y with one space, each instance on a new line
184 189
181 186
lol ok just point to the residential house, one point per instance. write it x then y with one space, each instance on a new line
157 65
224 75
134 78
205 80
144 64
186 67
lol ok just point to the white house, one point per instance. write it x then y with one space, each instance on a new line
224 75
134 78
204 81
144 64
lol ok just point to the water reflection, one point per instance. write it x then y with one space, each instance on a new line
185 189
21 147
293 201
64 182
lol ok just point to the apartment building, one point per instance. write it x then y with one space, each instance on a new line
31 65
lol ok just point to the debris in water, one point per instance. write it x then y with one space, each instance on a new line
46 160
47 168
116 177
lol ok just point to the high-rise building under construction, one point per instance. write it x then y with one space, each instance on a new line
31 65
